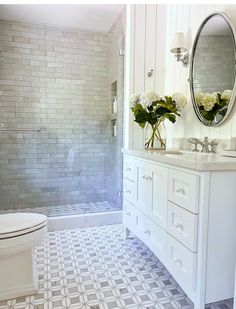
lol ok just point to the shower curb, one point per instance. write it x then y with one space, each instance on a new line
84 220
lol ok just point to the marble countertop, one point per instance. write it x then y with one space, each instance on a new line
186 159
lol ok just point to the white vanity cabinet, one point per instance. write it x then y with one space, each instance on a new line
187 218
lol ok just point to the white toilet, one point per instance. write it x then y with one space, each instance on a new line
19 234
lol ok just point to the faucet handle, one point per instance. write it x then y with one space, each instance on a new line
213 144
194 142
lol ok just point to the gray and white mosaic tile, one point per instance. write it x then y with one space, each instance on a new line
69 209
96 268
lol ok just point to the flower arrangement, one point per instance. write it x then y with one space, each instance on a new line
212 105
151 109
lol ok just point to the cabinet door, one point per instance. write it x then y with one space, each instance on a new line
144 187
159 183
151 234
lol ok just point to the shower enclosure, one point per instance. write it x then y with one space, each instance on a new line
61 109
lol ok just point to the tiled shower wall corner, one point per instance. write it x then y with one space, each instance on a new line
55 78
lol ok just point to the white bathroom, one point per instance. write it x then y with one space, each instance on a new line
117 155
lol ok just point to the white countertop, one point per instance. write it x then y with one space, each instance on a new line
191 160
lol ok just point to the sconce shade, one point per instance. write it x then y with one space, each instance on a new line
178 43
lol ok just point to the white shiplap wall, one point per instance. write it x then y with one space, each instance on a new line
169 76
187 18
145 47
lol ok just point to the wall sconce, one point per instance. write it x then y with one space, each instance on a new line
178 47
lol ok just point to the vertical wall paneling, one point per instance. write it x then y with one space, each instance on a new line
129 76
160 64
139 65
150 46
181 72
139 48
170 63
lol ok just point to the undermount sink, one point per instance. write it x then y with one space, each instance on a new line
185 152
173 152
228 155
167 152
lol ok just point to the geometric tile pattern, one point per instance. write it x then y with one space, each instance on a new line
66 210
96 268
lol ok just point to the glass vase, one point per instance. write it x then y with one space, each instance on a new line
155 136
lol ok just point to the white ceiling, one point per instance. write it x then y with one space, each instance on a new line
98 17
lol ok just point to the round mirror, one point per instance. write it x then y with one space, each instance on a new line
212 70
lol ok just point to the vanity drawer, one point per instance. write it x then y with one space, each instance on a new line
130 169
182 225
129 218
130 190
183 189
151 234
181 263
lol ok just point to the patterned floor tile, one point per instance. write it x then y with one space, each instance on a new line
97 268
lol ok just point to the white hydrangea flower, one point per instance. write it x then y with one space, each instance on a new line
148 97
198 98
208 101
134 99
215 94
180 100
226 94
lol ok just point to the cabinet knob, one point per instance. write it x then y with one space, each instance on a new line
147 232
178 225
178 261
128 214
180 190
128 191
128 169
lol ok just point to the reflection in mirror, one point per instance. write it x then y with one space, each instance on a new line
212 72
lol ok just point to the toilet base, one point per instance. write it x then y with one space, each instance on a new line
18 276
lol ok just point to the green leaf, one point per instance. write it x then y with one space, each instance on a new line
141 117
170 117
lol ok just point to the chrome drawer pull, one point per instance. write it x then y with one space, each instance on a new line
147 177
180 190
178 261
128 214
179 226
147 232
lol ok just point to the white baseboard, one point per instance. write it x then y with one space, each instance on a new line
18 291
84 220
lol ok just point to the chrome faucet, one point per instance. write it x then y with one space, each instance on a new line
207 147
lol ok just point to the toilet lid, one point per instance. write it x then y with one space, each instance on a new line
16 224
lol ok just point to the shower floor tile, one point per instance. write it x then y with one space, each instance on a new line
96 268
69 209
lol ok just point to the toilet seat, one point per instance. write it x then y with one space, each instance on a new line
17 224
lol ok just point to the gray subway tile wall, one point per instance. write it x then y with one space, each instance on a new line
214 57
58 79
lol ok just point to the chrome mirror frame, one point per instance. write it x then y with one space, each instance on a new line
233 96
